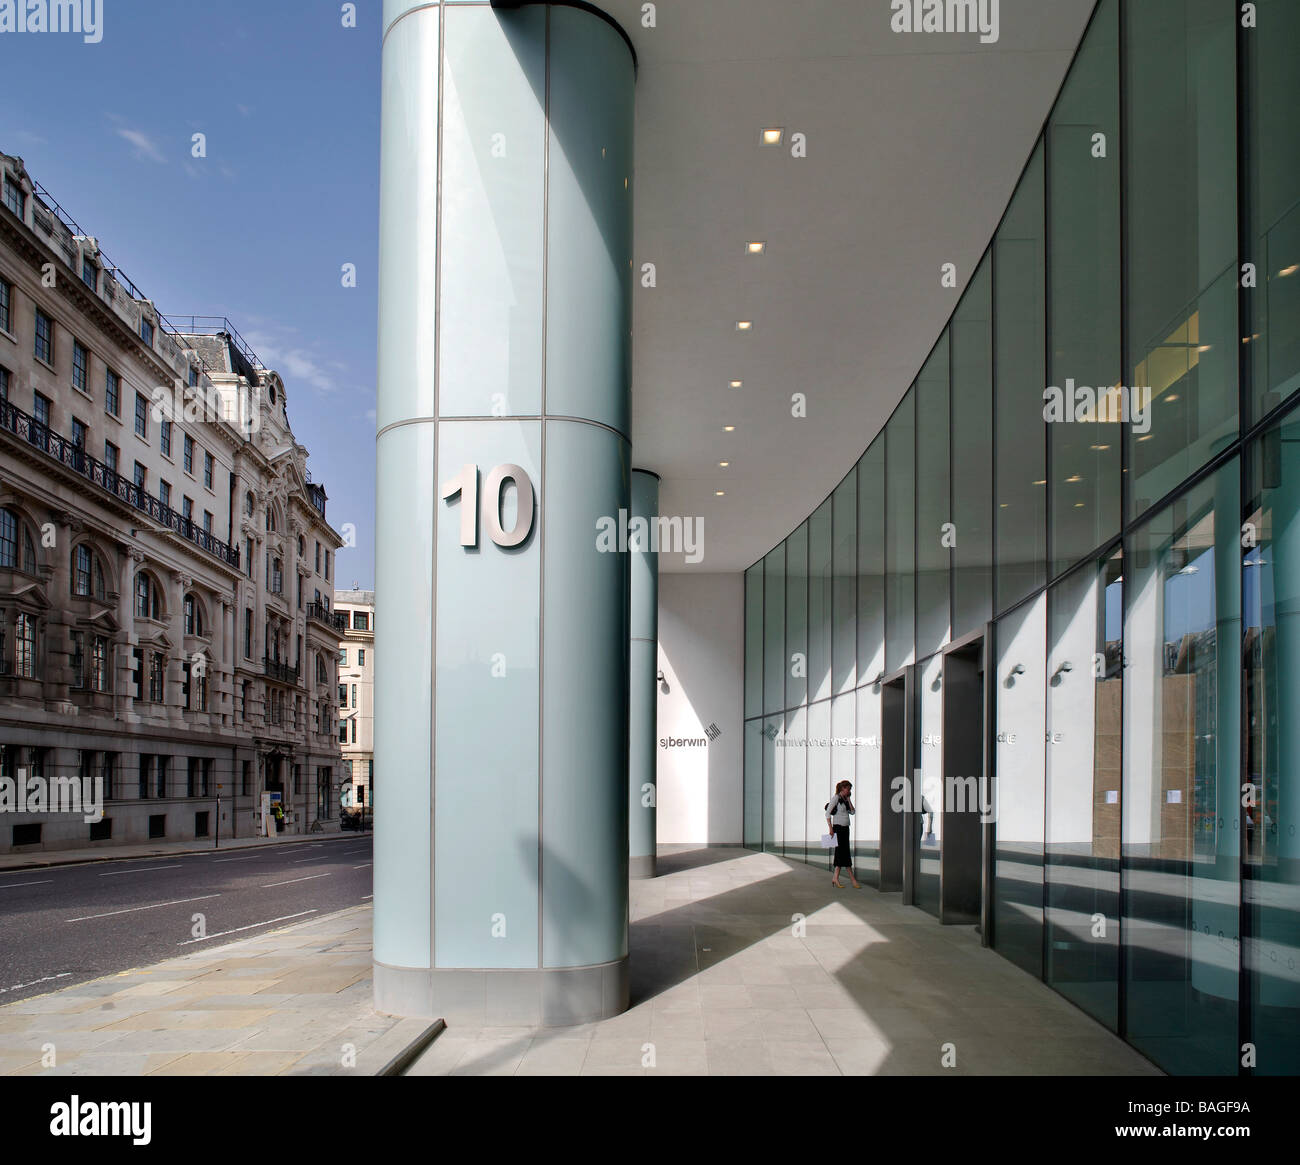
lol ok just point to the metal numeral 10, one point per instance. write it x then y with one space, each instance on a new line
465 485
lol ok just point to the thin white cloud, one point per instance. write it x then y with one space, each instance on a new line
293 363
145 147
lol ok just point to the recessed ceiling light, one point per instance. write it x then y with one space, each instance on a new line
1073 479
1173 396
772 137
756 248
728 428
1078 505
1204 347
1043 482
720 494
1289 270
1099 448
737 383
744 325
723 464
1146 438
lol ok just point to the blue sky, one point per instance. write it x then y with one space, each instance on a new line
259 229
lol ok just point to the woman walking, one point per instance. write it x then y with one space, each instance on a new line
838 810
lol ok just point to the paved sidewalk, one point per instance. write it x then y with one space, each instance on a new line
157 849
296 1001
722 984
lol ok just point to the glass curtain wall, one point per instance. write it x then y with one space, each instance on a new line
1098 466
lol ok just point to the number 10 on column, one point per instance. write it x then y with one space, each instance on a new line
465 486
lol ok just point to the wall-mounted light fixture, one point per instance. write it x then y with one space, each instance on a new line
663 684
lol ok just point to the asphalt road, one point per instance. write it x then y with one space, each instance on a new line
62 925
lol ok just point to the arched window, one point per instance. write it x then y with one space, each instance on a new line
193 616
148 604
15 536
270 518
302 546
87 572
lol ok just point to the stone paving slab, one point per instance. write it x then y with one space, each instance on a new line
289 1002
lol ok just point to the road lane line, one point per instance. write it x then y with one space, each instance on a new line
250 926
34 982
146 870
133 909
322 858
292 880
363 865
15 885
252 859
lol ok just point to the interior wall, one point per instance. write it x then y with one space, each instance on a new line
699 780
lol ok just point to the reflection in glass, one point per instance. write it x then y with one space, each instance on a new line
972 475
933 503
1084 272
796 618
819 603
754 641
1181 259
1084 705
845 598
1271 597
1181 827
929 821
1018 854
900 544
774 660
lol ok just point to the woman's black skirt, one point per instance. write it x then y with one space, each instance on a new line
843 854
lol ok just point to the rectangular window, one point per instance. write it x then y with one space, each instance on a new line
191 775
141 416
6 299
343 732
99 674
160 788
189 453
110 455
146 331
207 521
165 438
343 695
157 676
89 274
165 492
361 620
343 656
207 469
80 365
361 657
146 767
112 393
344 616
108 772
187 509
318 558
41 409
354 730
44 337
193 377
245 779
78 433
327 565
139 475
4 384
15 199
248 633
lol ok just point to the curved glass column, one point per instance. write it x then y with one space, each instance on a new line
643 682
504 376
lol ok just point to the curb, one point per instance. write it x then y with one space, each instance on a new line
154 855
398 1065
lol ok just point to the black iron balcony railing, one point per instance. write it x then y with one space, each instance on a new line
280 671
28 429
335 619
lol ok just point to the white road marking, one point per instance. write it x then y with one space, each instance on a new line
252 859
146 870
292 880
364 897
250 926
45 979
299 861
133 909
14 885
363 865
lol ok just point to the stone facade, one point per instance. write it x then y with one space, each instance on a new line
166 592
356 610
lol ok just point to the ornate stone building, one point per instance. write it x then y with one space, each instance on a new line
166 564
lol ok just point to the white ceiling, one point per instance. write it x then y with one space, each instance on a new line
915 143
